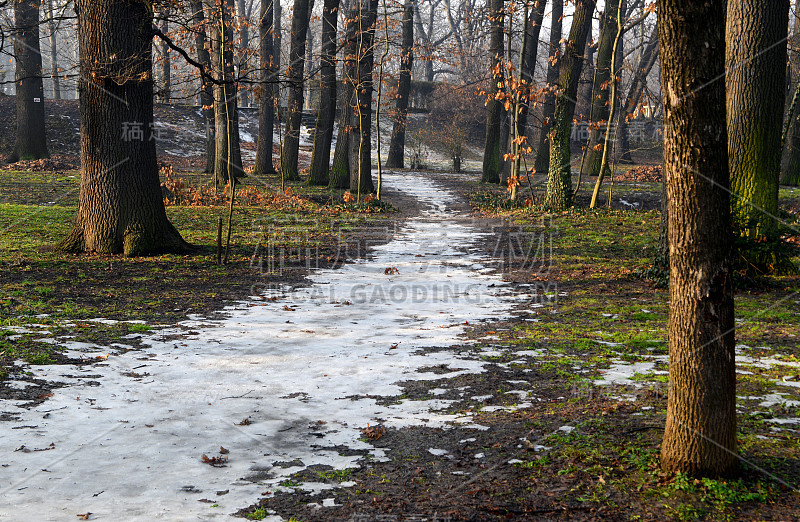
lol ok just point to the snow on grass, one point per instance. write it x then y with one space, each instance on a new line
126 437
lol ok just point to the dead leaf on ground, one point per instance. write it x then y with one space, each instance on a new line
245 422
84 516
392 270
374 433
217 462
223 451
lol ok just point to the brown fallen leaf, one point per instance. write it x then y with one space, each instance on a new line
84 516
374 433
45 395
245 422
288 308
217 462
223 451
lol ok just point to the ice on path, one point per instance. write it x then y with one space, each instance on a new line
306 380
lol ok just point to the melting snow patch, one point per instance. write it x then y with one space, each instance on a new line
144 429
437 452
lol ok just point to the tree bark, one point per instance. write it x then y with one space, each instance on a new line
294 73
492 164
323 135
120 209
601 88
559 179
542 162
54 72
266 112
206 86
396 156
227 154
700 433
360 141
756 63
31 140
277 54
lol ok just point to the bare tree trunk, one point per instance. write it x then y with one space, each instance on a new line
396 156
277 31
756 36
791 169
323 135
340 170
120 209
31 140
360 141
291 143
559 179
601 88
54 72
646 61
542 162
266 112
244 35
206 86
700 433
309 66
492 164
227 156
166 70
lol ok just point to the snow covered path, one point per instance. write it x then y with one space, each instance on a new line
124 439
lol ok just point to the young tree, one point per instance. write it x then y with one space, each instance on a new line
700 433
266 112
756 73
120 209
360 141
323 135
294 73
542 162
31 140
206 86
52 28
559 179
228 155
492 161
647 60
790 174
396 157
340 170
598 114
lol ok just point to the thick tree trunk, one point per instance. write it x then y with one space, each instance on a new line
360 141
559 179
297 50
206 86
601 88
396 156
54 72
542 162
323 135
646 61
31 140
756 36
700 433
120 209
492 162
227 155
266 112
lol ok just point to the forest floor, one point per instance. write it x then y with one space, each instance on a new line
551 407
566 410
